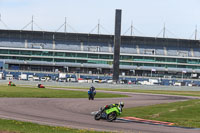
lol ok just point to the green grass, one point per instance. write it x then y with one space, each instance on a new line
13 91
27 127
186 114
168 92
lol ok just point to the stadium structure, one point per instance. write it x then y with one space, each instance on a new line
93 53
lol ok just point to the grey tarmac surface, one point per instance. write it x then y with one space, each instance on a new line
76 113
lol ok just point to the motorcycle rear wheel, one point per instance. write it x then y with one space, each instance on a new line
112 116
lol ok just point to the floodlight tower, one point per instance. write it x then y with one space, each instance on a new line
117 43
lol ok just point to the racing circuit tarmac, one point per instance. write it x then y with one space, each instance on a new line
76 112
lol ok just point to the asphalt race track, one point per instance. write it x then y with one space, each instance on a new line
76 113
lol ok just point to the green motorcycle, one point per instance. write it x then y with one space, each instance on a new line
109 114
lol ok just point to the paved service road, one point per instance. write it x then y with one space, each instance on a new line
76 113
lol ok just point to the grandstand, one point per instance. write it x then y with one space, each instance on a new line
93 53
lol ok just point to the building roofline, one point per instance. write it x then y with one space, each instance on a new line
61 35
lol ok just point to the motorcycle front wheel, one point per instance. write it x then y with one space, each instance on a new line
97 116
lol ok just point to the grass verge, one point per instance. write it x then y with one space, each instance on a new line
185 114
167 92
27 127
13 91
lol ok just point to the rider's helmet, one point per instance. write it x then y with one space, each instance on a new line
92 87
121 104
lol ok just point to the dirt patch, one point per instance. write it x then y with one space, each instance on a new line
172 110
155 115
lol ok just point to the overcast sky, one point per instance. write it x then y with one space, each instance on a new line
148 16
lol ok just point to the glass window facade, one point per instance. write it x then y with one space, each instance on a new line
99 58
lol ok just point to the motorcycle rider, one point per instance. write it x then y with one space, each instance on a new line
120 104
92 89
91 92
109 112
